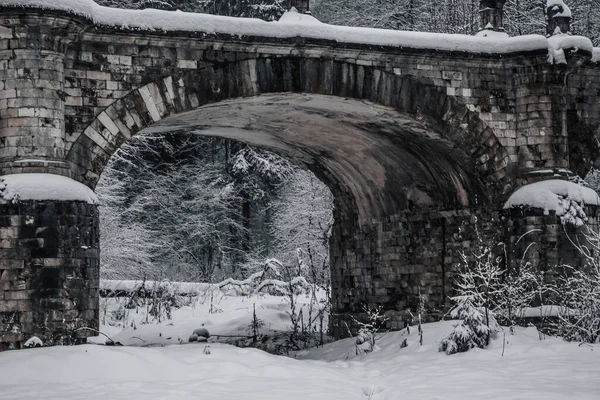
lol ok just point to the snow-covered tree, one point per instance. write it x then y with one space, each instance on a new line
579 293
183 205
498 291
518 290
474 330
128 247
209 209
579 319
302 221
480 276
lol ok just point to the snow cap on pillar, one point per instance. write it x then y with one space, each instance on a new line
491 12
559 18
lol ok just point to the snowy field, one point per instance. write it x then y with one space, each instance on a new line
154 365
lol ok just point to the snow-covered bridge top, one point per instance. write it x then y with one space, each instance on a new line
293 24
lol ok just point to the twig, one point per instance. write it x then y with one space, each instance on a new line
232 336
94 330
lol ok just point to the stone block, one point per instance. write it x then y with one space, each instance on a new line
12 264
18 294
14 305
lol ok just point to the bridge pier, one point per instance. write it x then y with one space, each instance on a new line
49 271
397 262
49 264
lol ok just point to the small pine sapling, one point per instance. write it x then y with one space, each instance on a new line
480 277
474 330
255 325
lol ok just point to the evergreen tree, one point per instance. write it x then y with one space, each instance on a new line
471 332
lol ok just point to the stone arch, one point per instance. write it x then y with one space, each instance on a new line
191 89
371 241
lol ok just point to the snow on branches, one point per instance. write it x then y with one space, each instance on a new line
474 330
563 198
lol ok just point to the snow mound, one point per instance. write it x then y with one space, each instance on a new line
552 195
557 44
491 34
558 5
17 187
294 17
292 24
33 341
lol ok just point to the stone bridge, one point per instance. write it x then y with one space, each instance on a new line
414 133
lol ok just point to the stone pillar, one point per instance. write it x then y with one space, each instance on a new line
49 255
544 239
559 18
32 127
491 13
49 272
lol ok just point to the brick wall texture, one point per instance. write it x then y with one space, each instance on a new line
71 93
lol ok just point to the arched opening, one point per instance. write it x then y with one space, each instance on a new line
382 166
406 163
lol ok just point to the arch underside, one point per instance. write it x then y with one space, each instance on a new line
375 159
382 166
422 149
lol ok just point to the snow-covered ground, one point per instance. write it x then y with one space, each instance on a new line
529 369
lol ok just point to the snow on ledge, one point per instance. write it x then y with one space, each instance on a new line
552 195
44 187
291 24
596 54
557 5
558 43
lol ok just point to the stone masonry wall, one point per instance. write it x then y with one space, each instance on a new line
389 263
49 271
583 118
106 65
553 240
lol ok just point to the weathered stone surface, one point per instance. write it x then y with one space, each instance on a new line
432 138
45 285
